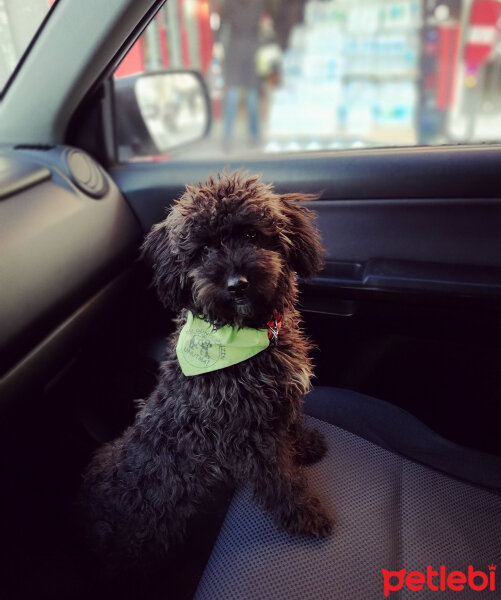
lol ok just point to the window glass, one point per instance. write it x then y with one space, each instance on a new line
309 75
19 22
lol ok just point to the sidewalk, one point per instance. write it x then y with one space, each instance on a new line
212 146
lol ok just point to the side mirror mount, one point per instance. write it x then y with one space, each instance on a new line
157 112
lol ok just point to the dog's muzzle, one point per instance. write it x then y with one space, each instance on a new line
237 286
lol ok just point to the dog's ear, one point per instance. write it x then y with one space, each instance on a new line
300 235
161 249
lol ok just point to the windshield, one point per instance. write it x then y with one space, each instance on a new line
19 22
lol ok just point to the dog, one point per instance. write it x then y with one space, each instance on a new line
227 409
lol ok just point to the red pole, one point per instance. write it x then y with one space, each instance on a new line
204 34
133 61
447 65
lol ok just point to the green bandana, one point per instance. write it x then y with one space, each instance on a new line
202 348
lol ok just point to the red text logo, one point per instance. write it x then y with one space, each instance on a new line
439 579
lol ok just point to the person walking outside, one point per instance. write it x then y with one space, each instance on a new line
242 17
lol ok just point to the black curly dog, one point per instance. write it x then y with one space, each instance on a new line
239 424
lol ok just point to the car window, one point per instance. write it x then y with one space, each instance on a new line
19 23
310 75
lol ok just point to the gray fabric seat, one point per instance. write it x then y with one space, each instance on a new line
390 512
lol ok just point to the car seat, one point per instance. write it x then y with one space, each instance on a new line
402 497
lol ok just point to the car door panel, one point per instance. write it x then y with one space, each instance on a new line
390 220
59 247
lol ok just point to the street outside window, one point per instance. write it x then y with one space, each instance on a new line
297 75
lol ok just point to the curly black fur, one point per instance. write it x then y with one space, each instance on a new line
235 425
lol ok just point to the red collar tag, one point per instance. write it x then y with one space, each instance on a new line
274 325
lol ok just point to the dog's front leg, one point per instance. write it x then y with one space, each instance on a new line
309 444
280 487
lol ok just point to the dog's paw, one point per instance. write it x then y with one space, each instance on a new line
311 447
309 519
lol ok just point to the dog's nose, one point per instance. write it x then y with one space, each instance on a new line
237 284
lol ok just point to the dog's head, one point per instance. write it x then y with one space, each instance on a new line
230 248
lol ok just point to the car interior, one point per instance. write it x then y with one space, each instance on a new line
405 317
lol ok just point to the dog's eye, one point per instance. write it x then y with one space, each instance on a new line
251 235
205 249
